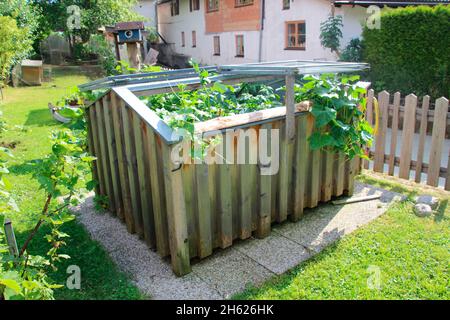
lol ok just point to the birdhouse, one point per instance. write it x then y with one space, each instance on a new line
130 32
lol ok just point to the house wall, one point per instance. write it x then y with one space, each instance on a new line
230 21
147 8
313 12
171 27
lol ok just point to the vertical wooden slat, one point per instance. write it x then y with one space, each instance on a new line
176 214
394 133
380 139
301 164
91 149
338 175
285 184
153 152
422 137
437 141
105 156
247 177
97 150
121 162
369 118
130 153
265 199
143 182
409 122
290 107
327 176
111 146
226 192
350 169
189 188
204 211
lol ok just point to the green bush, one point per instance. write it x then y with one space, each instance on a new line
14 45
411 50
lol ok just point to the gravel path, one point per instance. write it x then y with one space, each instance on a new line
229 271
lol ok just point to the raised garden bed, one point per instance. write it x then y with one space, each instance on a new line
184 207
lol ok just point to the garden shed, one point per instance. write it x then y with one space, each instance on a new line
187 209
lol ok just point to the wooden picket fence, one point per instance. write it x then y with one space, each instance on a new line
416 123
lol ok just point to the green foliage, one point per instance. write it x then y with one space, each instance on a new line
338 108
353 51
59 175
410 53
98 46
14 45
94 14
182 109
26 15
331 33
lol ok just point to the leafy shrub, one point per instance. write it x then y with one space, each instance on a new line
339 118
14 45
411 50
331 33
98 46
353 51
59 174
338 108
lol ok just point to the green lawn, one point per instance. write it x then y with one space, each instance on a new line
410 255
29 125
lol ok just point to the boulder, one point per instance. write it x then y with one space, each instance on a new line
422 210
433 202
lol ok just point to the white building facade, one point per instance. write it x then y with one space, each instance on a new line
241 31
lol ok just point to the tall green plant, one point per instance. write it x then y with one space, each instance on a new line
60 175
338 106
14 45
331 33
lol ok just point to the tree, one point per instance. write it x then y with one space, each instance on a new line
331 33
14 45
91 15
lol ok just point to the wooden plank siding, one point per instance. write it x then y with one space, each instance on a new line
188 210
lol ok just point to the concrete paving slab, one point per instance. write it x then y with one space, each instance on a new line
276 252
249 262
229 271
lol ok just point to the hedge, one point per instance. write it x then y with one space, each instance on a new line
410 53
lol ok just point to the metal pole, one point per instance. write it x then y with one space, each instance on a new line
11 238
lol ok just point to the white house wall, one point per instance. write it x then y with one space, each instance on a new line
273 48
147 8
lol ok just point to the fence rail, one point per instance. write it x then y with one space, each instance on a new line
408 129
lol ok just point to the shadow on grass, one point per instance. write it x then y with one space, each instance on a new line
40 118
24 168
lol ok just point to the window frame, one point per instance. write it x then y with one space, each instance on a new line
194 39
183 39
216 52
174 4
238 55
208 9
192 7
288 6
237 3
297 34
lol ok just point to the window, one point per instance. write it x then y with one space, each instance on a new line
286 4
212 5
194 39
296 35
175 7
216 45
194 5
241 3
183 40
239 46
